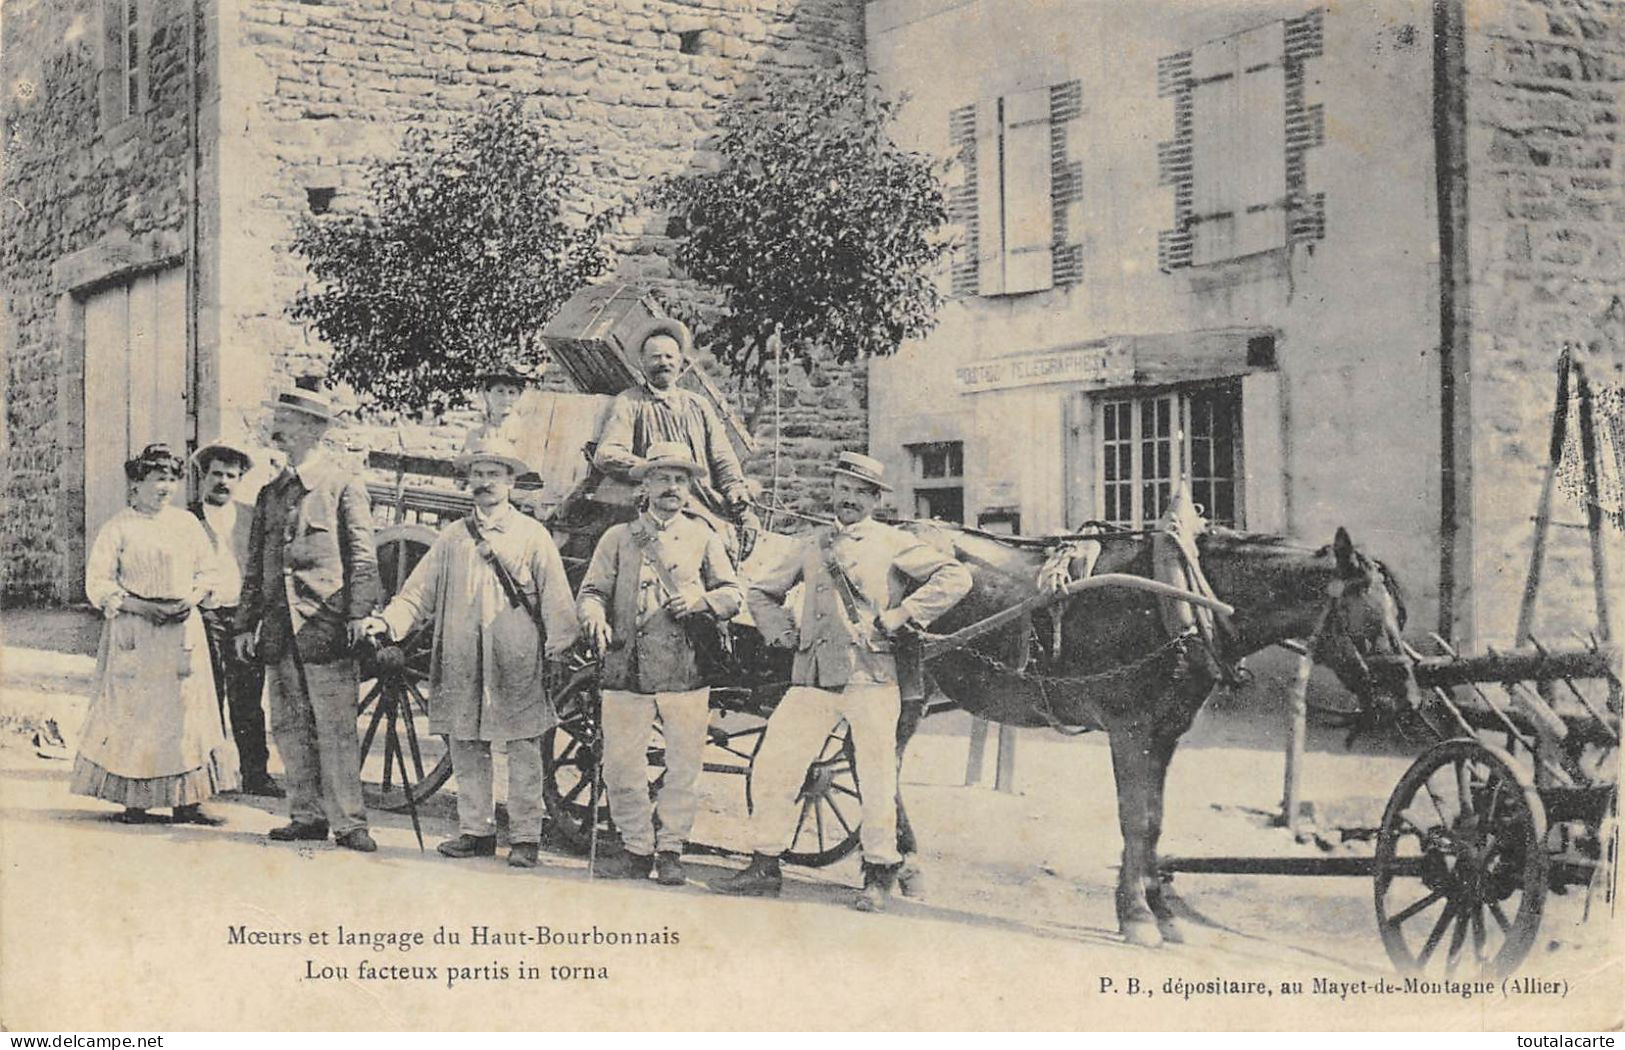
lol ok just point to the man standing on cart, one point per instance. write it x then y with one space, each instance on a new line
495 587
661 411
854 579
651 582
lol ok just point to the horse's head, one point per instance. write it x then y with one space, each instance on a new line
1365 613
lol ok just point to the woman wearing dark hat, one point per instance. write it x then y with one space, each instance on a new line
153 737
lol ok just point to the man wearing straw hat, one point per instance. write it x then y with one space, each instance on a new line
310 582
647 578
239 683
855 599
494 585
661 411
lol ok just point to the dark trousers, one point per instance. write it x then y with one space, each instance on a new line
241 688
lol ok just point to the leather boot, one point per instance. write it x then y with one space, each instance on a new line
911 879
669 868
195 814
761 879
522 855
877 883
466 845
624 866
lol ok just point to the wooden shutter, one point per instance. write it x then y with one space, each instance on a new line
1029 218
1214 121
1239 142
1260 192
989 197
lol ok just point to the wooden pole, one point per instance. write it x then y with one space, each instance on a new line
978 750
1005 778
1593 493
1543 508
1297 736
1546 745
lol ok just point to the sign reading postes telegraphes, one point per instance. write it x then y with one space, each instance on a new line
1128 360
1102 364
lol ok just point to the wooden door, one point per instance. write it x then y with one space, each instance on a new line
136 386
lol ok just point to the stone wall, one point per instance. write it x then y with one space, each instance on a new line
314 90
90 195
1546 221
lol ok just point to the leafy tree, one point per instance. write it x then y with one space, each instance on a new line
815 226
464 251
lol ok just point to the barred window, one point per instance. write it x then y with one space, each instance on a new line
132 57
939 480
1150 442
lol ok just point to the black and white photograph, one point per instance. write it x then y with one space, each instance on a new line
811 515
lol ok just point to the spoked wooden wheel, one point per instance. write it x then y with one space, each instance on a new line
571 751
401 763
1461 867
829 823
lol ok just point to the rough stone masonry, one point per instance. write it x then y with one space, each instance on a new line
295 97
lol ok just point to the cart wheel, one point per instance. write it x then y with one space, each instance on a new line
395 680
571 752
828 826
1461 863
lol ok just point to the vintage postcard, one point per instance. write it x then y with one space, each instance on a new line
811 514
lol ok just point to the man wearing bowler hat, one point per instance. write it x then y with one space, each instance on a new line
494 585
647 579
855 600
239 683
310 582
661 411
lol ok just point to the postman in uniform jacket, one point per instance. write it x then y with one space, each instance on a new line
881 561
489 658
311 565
655 655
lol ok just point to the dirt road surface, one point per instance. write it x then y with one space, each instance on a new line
108 926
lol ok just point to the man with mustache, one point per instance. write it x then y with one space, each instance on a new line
855 599
310 582
647 578
239 683
494 585
661 411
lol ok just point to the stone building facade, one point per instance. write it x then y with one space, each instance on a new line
1537 130
257 111
1319 258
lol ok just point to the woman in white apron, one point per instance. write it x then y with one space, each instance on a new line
153 737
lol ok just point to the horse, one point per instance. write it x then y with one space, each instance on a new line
1118 668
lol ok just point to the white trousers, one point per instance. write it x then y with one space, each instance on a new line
628 720
796 733
476 801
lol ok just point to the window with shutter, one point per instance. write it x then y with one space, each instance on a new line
1241 127
1018 193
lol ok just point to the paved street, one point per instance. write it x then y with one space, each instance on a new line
1020 884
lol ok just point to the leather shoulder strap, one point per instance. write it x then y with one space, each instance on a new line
516 596
844 587
654 554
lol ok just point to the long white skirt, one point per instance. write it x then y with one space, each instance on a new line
154 735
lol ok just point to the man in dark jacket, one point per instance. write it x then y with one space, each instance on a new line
240 683
312 580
